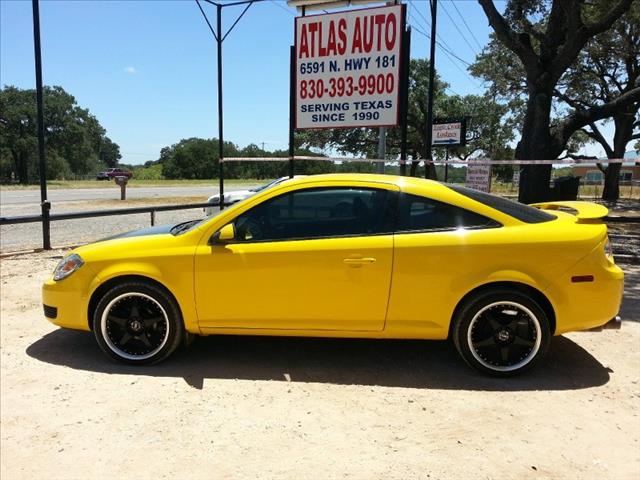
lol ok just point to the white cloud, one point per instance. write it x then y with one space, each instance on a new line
130 70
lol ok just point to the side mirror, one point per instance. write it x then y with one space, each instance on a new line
223 236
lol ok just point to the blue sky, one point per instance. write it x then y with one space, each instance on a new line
147 69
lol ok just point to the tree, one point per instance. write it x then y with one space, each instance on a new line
198 158
194 158
608 68
109 152
544 50
73 137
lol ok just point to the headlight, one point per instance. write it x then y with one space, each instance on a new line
67 266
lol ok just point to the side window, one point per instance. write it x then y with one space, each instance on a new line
317 213
419 213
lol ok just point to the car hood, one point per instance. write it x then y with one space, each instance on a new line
143 232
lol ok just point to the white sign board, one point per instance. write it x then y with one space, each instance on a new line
516 175
446 134
478 177
348 68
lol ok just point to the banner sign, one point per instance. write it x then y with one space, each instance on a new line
448 132
348 68
478 176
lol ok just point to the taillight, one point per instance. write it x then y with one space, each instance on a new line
608 251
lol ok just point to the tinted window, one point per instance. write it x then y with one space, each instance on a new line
522 212
316 213
419 213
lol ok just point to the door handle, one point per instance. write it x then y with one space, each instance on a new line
359 261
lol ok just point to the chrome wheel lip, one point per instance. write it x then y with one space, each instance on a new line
525 361
113 347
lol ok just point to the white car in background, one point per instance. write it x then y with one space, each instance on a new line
238 195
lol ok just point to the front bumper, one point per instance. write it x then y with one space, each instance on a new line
66 303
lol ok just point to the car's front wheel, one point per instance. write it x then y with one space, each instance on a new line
501 332
138 323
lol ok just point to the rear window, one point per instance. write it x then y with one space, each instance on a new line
420 213
520 211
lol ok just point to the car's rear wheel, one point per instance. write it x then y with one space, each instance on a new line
501 332
138 323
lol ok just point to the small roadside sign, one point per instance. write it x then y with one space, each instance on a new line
516 175
478 176
448 132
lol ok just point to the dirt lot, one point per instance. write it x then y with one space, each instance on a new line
309 408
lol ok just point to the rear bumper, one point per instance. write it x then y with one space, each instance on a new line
614 324
592 305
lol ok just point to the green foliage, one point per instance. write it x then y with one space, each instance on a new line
197 158
109 152
75 140
152 172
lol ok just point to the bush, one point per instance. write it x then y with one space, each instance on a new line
153 172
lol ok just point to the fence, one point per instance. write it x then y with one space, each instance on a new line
588 191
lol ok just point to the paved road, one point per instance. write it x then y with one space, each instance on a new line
69 232
32 197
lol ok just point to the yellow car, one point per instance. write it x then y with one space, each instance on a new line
367 256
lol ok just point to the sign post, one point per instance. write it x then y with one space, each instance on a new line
347 68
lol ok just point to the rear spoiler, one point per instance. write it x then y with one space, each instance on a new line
583 210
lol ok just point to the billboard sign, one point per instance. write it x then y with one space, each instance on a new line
347 68
448 132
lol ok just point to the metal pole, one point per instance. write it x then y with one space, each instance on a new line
292 107
405 101
44 203
428 165
220 114
446 164
382 148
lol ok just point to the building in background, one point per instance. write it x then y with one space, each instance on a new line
591 175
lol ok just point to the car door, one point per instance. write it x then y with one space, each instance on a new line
315 258
439 250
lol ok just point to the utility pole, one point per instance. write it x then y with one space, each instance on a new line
220 111
382 148
44 203
429 169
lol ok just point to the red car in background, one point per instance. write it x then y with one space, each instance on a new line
112 173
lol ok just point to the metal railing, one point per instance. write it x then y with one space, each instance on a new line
104 213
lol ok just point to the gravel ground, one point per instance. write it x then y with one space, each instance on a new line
251 407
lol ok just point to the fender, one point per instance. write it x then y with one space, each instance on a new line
151 271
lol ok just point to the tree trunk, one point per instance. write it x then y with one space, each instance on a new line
611 190
21 166
623 132
535 144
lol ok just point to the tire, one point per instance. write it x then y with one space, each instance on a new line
138 323
501 332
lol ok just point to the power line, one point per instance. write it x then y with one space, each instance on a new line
439 40
466 25
282 7
464 37
442 47
447 54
